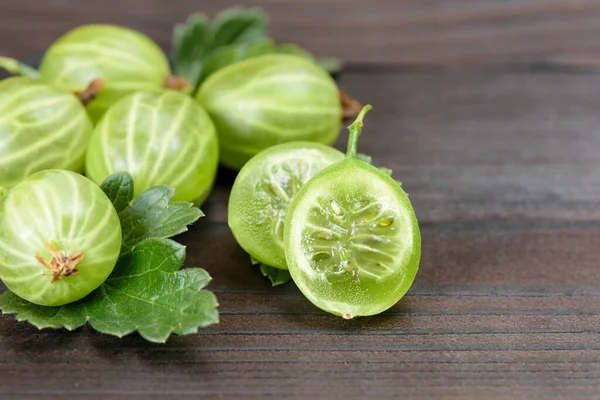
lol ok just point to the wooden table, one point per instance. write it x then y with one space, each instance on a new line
489 113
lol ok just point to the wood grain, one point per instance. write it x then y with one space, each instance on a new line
501 168
487 111
413 32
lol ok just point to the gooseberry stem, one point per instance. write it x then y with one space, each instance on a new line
178 83
355 129
93 89
15 67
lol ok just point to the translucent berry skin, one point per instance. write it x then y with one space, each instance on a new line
267 100
40 128
352 239
160 137
72 214
126 60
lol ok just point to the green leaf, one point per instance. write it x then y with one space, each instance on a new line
276 276
146 291
119 189
151 215
15 67
365 157
239 25
70 316
196 39
192 42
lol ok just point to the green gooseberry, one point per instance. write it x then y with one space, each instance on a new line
267 100
263 191
125 60
352 241
41 127
60 237
161 137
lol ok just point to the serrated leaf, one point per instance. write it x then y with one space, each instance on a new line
276 276
151 215
365 157
15 67
146 293
369 160
191 43
119 189
239 25
70 316
197 38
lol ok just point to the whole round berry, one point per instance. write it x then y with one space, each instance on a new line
40 128
60 237
125 60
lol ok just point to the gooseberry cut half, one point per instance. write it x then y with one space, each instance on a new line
351 237
263 191
60 237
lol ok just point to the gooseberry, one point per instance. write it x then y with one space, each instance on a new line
263 190
267 100
60 237
40 128
352 239
161 137
125 60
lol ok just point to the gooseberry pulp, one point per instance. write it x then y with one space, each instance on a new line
125 60
351 237
60 237
267 100
263 190
40 128
160 137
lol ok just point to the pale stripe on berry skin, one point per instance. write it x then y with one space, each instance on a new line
175 126
31 105
131 123
148 150
104 136
172 173
42 144
22 94
130 61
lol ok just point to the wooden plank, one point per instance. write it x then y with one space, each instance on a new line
366 32
502 170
